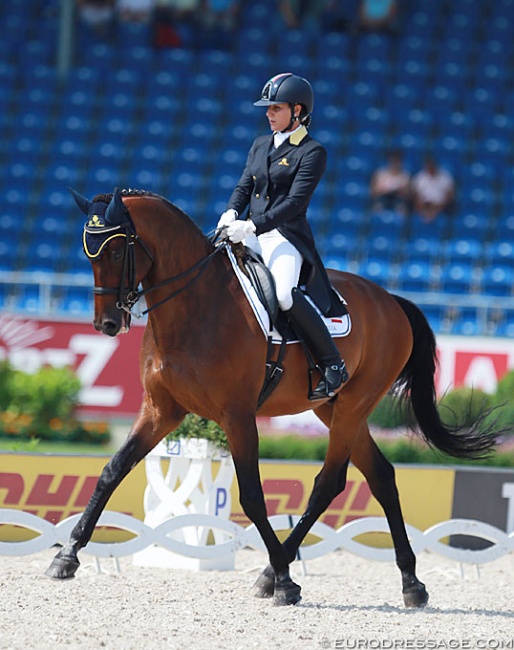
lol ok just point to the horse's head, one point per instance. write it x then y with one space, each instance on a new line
119 265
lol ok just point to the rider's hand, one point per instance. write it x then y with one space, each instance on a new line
238 230
227 218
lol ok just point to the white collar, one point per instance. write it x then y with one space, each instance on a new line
279 138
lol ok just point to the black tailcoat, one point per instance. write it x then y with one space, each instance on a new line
276 186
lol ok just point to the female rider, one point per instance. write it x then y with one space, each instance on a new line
277 183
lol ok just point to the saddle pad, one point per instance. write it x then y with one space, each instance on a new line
338 326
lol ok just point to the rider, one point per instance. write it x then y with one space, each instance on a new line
277 183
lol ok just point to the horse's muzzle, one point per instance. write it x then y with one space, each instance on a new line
108 326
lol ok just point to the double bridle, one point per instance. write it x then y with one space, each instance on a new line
129 295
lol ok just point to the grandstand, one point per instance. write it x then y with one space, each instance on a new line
180 121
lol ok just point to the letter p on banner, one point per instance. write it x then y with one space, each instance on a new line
221 500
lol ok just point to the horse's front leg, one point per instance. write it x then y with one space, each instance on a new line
138 443
328 484
244 447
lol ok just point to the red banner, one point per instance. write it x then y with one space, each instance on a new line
108 368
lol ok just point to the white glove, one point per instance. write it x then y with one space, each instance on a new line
238 230
227 217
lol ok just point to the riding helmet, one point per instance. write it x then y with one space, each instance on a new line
288 88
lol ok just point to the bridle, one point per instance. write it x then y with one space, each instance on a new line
129 295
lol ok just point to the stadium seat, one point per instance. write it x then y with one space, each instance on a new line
498 280
458 277
415 276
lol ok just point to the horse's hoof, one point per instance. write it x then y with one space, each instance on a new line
264 586
416 596
287 594
62 568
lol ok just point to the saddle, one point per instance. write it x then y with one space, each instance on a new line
260 277
252 266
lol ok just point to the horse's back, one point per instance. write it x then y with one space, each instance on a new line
380 329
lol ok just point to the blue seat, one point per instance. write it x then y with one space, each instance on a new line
506 326
463 250
498 280
415 276
387 223
428 230
352 194
382 247
345 220
466 324
458 278
435 316
500 252
376 270
338 245
8 256
76 261
423 249
78 300
471 226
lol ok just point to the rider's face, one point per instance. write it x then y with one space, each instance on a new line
279 116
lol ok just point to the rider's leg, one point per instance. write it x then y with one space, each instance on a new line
306 319
285 263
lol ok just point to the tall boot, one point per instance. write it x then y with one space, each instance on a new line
312 328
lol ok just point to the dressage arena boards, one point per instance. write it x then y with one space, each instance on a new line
348 602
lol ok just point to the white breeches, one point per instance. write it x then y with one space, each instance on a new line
283 260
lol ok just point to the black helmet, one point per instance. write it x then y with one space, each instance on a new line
288 88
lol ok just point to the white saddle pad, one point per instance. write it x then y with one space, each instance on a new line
338 326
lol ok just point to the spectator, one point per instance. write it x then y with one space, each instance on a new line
135 11
97 14
378 15
220 14
433 190
218 21
298 14
173 20
390 185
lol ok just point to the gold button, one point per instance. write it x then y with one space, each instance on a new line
267 197
254 178
257 196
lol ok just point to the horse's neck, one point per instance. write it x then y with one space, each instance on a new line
179 248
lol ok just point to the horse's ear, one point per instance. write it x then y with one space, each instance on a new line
115 212
80 200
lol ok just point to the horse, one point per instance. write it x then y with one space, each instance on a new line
203 352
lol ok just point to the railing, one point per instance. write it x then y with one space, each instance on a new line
46 301
238 537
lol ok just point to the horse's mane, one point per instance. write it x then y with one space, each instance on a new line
106 198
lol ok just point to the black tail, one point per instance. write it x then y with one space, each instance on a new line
417 385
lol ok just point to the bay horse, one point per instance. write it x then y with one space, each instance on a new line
203 352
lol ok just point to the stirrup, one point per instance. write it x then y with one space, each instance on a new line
333 378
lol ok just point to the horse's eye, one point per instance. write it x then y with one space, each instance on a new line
116 254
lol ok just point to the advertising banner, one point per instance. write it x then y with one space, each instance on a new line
56 487
109 367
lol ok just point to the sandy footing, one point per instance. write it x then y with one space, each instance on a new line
347 602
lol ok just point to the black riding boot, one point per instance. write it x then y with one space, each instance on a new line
312 328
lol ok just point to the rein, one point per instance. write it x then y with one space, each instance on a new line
129 296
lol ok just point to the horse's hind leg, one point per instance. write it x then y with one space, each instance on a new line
380 476
137 445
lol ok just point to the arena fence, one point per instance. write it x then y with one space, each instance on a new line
238 537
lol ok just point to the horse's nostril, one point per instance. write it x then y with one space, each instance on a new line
110 328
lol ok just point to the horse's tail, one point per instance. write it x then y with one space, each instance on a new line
417 386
